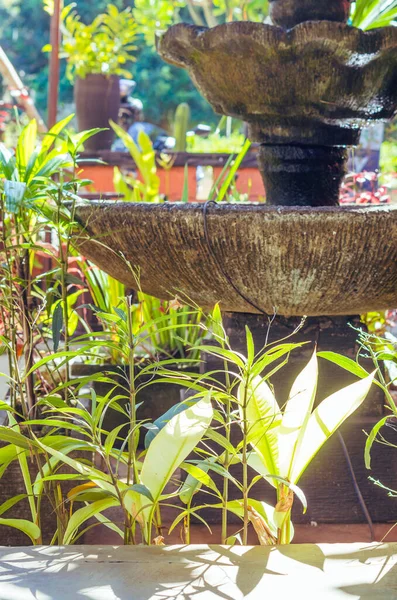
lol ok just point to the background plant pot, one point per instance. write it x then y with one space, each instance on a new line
97 99
154 400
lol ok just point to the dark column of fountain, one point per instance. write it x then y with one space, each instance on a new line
302 175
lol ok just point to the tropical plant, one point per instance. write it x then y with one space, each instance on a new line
134 479
167 328
279 444
147 187
105 46
382 349
369 14
31 201
224 186
155 17
36 304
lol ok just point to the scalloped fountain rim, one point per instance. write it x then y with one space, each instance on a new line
256 75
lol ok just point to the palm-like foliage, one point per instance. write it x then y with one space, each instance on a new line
370 14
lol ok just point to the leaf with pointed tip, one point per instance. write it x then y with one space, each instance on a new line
27 527
326 419
296 416
264 418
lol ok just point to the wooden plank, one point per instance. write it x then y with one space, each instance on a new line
123 159
312 572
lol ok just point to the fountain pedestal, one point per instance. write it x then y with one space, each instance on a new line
302 175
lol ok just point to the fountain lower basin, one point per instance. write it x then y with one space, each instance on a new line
250 258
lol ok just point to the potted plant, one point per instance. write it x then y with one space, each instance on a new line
97 55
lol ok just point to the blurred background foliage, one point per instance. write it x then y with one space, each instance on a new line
24 30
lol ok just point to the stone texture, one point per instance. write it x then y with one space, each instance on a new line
326 571
300 261
317 83
302 175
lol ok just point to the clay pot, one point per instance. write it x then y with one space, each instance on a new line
288 13
97 99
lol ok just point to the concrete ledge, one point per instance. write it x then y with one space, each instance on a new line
307 572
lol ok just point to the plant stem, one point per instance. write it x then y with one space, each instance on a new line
245 463
132 474
225 491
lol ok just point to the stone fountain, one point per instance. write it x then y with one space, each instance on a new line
306 86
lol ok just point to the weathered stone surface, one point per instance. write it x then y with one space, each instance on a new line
200 572
317 83
299 261
302 175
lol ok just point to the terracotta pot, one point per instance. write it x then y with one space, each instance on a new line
97 101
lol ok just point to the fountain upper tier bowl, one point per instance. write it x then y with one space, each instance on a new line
249 257
317 83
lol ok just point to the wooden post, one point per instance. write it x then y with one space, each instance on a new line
53 85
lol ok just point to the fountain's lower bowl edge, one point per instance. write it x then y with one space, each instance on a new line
249 257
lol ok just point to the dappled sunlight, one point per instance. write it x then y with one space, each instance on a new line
322 571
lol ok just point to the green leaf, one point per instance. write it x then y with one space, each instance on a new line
172 445
162 421
346 363
215 436
232 171
142 490
27 527
191 485
296 416
83 514
14 194
371 438
264 418
57 325
11 502
16 438
326 419
26 146
52 134
185 191
201 475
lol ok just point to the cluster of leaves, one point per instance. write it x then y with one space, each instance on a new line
370 14
278 444
147 187
39 316
31 200
216 143
105 46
